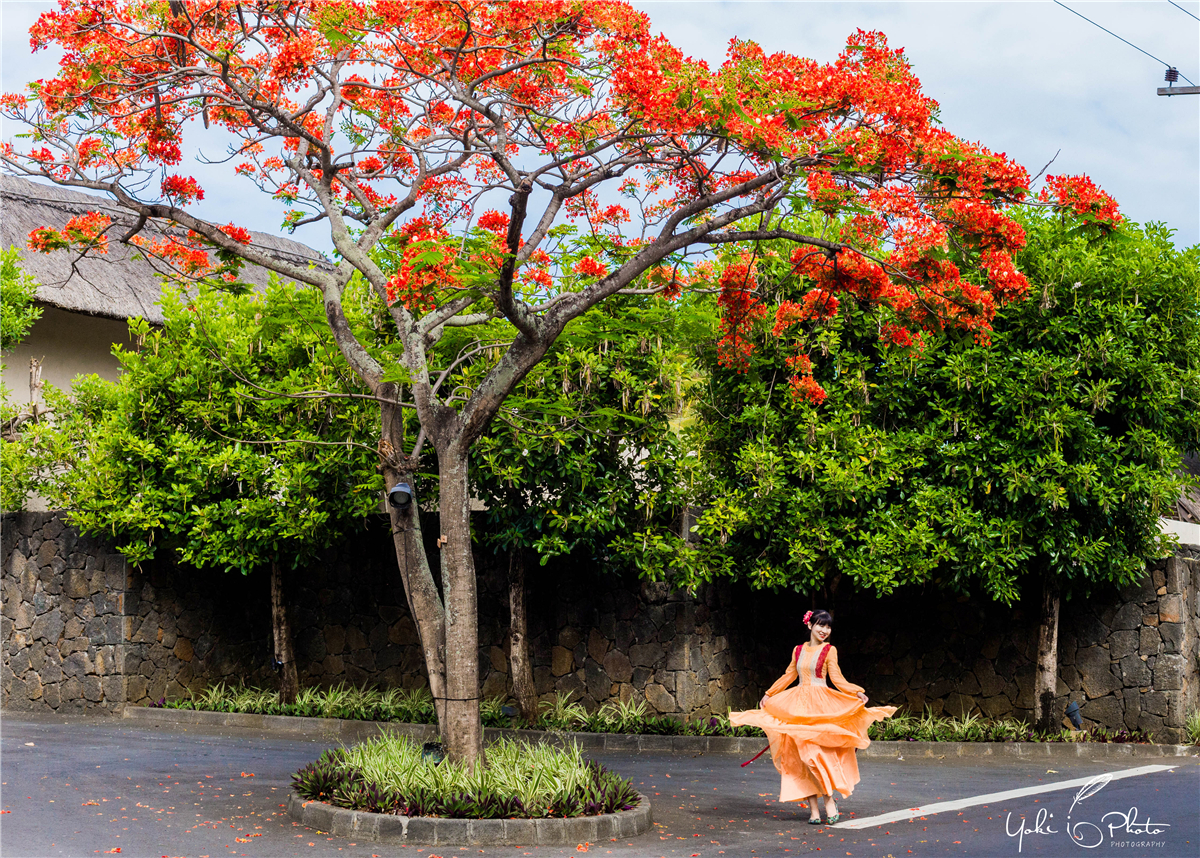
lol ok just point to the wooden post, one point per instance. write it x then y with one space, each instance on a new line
519 662
281 629
1046 678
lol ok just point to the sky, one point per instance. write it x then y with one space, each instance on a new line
1030 79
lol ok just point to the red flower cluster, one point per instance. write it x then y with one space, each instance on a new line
494 221
85 231
590 267
1081 195
740 310
806 387
817 305
670 279
181 190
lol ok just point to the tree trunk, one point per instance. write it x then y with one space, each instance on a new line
285 657
462 729
521 666
1046 678
424 601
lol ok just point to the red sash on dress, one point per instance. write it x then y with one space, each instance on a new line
821 659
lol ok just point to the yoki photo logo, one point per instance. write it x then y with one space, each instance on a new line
1088 825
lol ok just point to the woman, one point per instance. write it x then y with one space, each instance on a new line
813 729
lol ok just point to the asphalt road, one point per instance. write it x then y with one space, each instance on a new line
93 786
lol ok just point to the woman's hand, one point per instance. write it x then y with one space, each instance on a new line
862 696
763 702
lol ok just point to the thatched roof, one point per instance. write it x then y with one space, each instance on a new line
114 285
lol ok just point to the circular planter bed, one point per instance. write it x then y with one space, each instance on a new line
435 831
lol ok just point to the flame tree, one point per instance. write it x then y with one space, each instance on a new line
519 162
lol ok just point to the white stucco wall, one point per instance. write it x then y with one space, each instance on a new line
69 344
1186 532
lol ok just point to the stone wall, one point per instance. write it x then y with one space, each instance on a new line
63 618
1129 658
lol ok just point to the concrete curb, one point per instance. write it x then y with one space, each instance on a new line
436 831
348 732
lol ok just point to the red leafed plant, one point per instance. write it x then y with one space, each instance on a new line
464 157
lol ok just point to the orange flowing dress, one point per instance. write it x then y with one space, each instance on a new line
814 730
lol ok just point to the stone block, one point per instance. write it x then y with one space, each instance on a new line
76 584
990 683
1105 711
648 655
355 639
597 645
1123 643
1134 672
572 683
485 832
1168 672
47 551
51 671
19 663
114 689
598 682
660 699
1095 672
23 616
1170 608
562 661
92 690
1149 640
136 689
1176 575
48 627
52 695
183 650
1154 702
617 666
1152 724
520 832
33 686
78 665
1172 637
569 637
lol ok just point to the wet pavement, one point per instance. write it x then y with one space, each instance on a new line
82 786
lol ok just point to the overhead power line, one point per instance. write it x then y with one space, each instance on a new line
1181 9
1115 36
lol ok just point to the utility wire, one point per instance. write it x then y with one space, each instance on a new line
1181 9
1115 36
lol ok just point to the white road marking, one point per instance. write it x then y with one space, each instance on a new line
991 798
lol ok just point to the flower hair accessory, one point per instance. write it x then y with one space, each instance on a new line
807 617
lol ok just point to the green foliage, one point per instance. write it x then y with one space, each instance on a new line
17 291
416 707
18 314
906 727
582 451
341 701
1193 726
390 775
1052 449
233 437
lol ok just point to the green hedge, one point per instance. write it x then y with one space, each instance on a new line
416 707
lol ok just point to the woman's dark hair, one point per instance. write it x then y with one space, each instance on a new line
821 618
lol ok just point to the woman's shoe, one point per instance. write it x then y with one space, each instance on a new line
833 820
816 821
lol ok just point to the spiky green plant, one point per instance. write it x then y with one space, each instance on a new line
390 774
